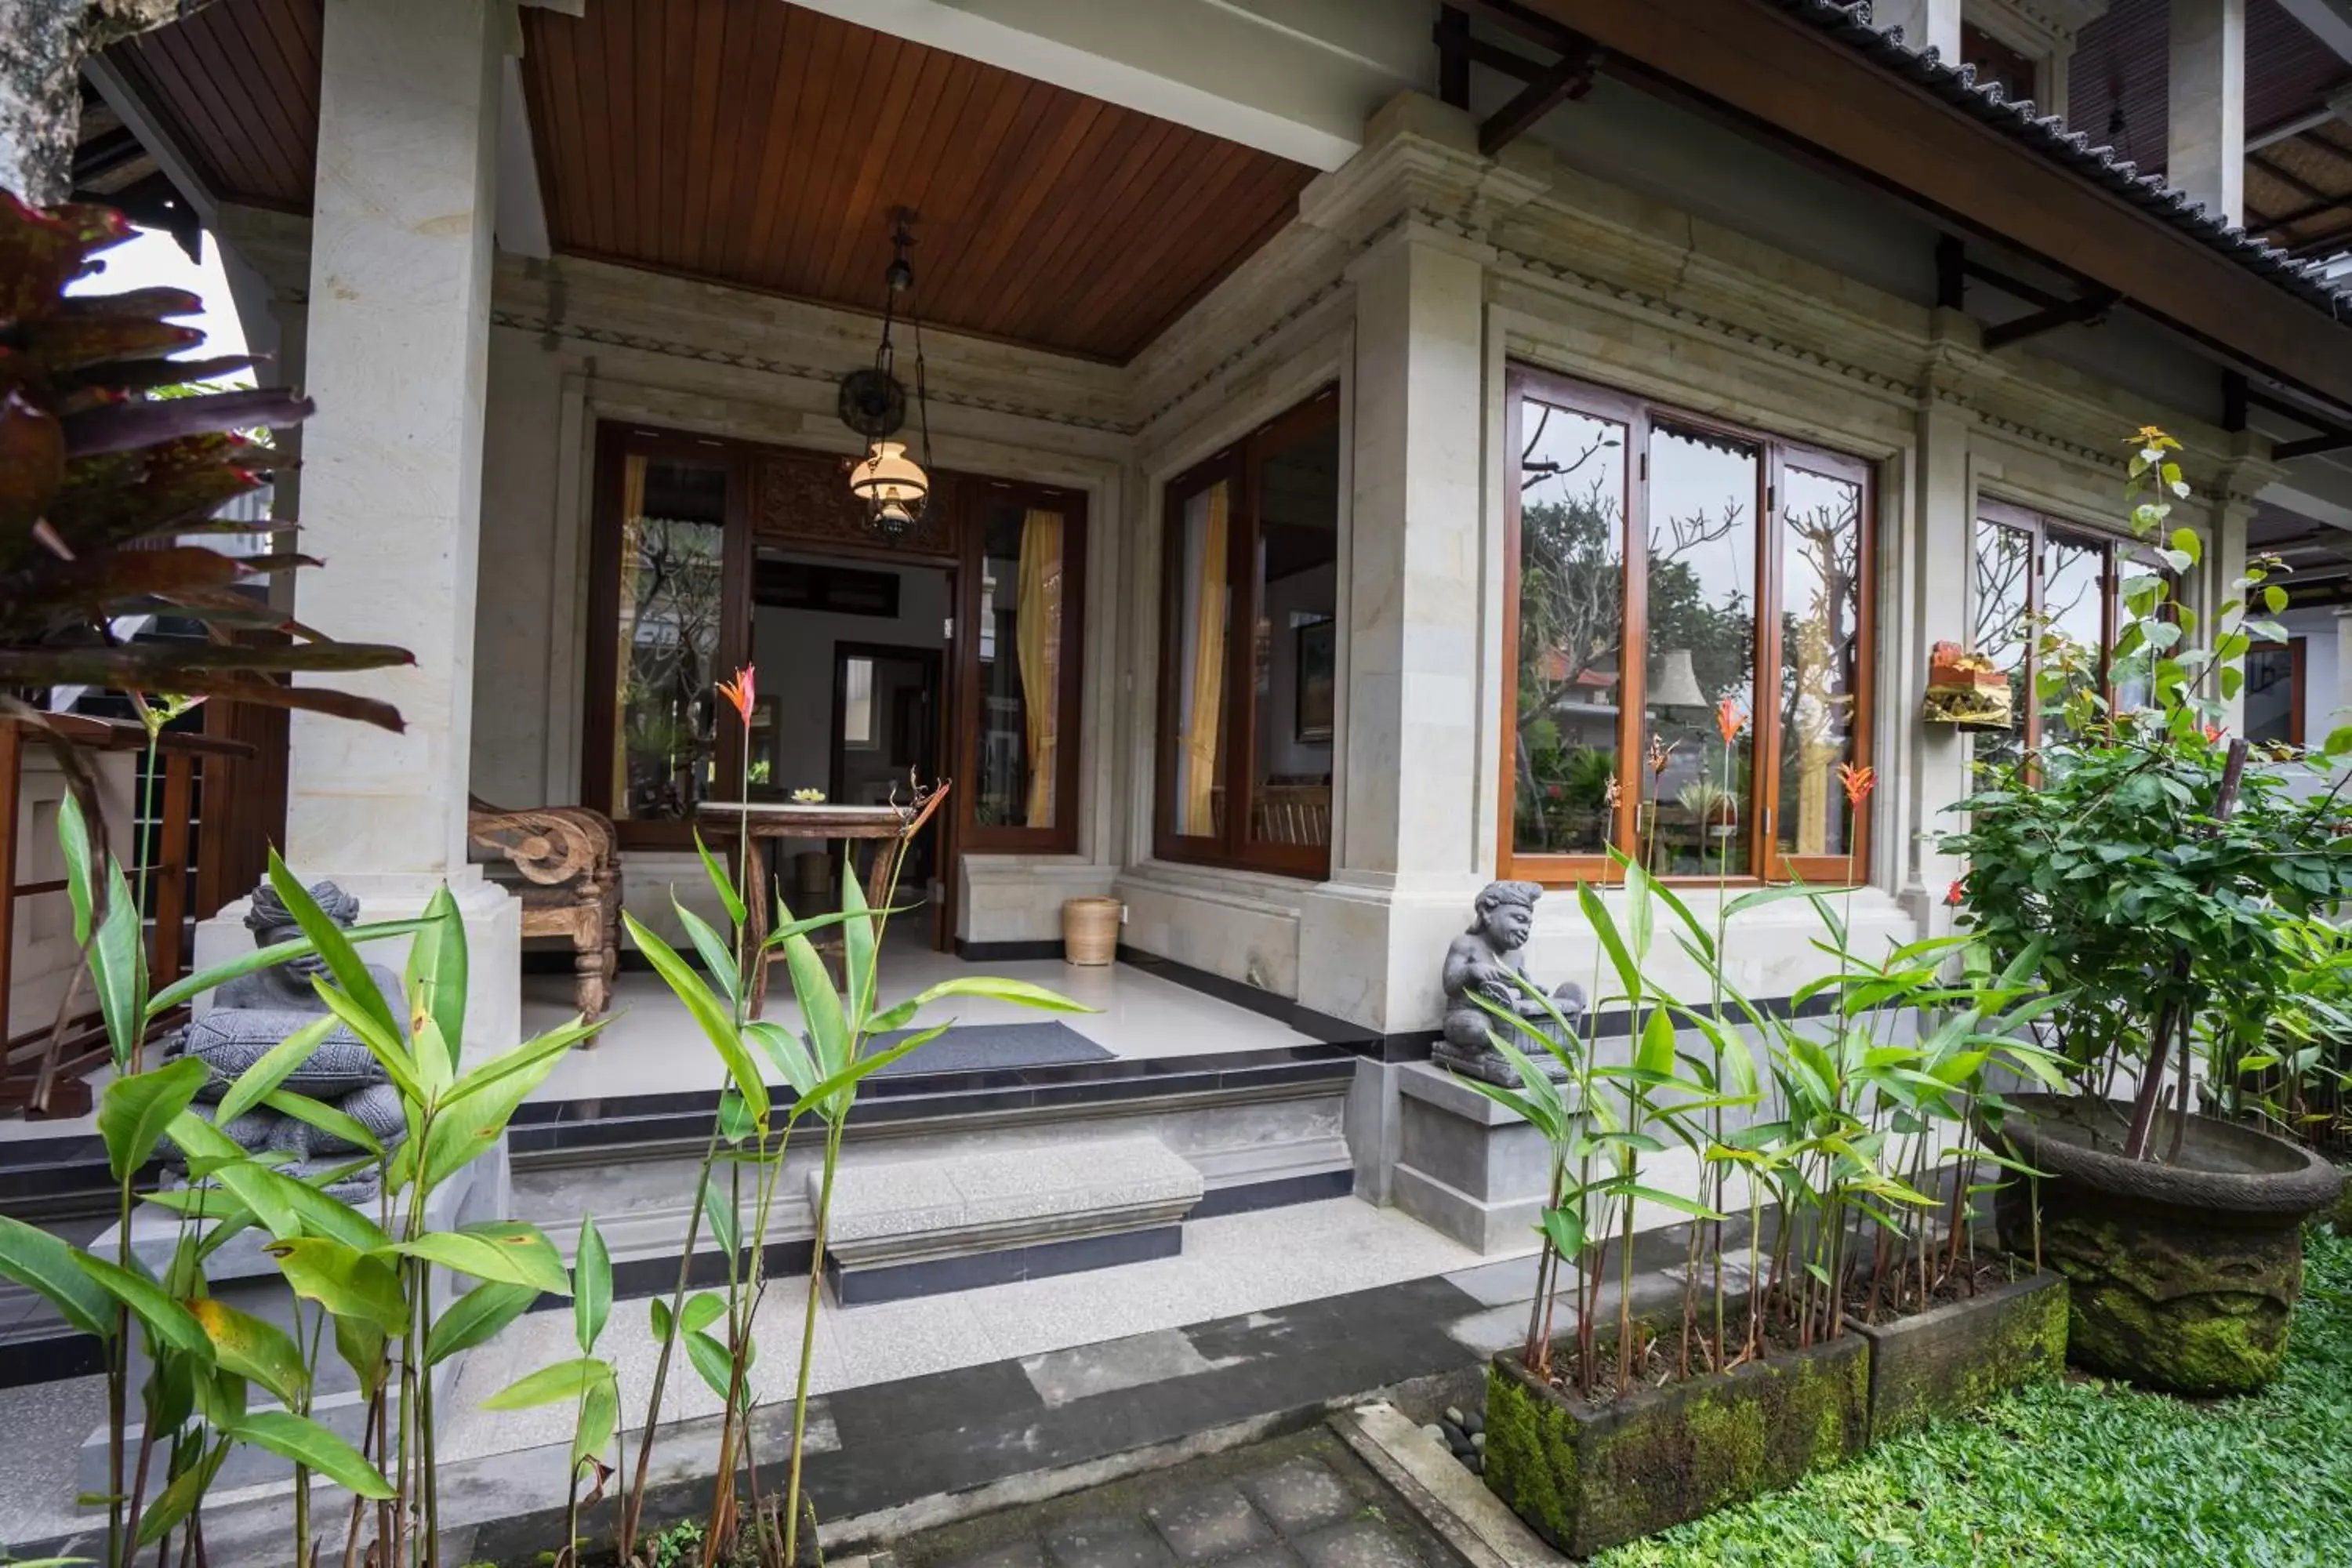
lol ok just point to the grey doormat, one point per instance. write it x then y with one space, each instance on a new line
977 1047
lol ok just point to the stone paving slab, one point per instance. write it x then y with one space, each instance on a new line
1305 1500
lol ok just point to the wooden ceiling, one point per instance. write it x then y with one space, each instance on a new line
2298 190
237 84
756 143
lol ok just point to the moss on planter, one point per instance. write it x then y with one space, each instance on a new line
2194 1308
1585 1478
1960 1356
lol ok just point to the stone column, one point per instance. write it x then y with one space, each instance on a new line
1931 589
395 355
1923 22
2205 138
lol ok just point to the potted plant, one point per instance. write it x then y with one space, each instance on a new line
1631 1422
2155 869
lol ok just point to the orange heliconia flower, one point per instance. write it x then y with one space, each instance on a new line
1956 893
1858 783
2212 733
1728 720
739 692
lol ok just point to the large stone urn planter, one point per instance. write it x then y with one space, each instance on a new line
2181 1275
1587 1477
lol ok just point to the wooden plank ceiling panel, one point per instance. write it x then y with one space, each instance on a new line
752 142
238 84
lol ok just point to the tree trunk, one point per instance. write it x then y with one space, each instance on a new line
42 46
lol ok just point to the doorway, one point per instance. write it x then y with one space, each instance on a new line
853 655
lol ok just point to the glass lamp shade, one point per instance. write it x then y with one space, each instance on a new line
888 477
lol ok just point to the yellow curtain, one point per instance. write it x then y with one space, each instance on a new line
1208 673
1037 632
633 510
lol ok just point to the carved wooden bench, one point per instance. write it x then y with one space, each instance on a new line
563 866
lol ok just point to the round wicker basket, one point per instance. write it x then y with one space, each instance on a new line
1090 931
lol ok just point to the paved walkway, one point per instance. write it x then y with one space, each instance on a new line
1303 1499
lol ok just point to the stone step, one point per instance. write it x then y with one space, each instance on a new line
959 1221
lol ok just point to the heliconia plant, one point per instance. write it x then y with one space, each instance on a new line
362 1282
843 1037
1857 1150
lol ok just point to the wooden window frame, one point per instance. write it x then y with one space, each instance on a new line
2039 528
1641 417
1237 467
615 443
973 495
2294 647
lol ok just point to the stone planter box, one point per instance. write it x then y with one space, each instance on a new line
1953 1358
1586 1477
2181 1275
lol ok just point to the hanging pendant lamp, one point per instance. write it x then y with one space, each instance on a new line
895 485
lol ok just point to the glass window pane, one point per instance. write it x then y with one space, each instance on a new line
1022 585
1571 592
2074 606
857 702
672 554
2002 633
1199 610
1701 618
1296 678
1821 670
2270 695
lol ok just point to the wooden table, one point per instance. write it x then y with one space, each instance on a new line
761 820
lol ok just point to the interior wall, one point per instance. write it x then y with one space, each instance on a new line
796 651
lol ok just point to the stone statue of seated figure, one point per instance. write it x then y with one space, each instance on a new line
1485 962
254 1012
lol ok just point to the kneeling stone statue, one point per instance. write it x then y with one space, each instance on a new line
254 1012
1485 961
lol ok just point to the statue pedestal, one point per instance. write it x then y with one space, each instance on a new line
1465 1165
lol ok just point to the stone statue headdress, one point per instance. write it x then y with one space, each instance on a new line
268 911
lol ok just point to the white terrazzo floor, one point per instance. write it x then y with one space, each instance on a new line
651 1047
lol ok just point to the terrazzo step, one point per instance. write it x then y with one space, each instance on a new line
959 1221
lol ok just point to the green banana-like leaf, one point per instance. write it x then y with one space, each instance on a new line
721 883
277 1064
134 1111
172 1504
600 1412
832 1098
474 1317
334 945
347 1282
193 985
563 1381
592 1285
45 1265
995 990
435 978
511 1251
718 1023
325 1117
251 1348
718 957
305 1443
173 1323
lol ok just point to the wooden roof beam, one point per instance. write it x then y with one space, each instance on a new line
2087 312
1563 81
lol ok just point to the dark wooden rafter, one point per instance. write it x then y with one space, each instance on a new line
1565 80
2335 435
1955 268
1544 86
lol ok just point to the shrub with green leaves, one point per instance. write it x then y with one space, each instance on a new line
2155 863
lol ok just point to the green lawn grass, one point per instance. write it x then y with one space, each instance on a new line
2083 1473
